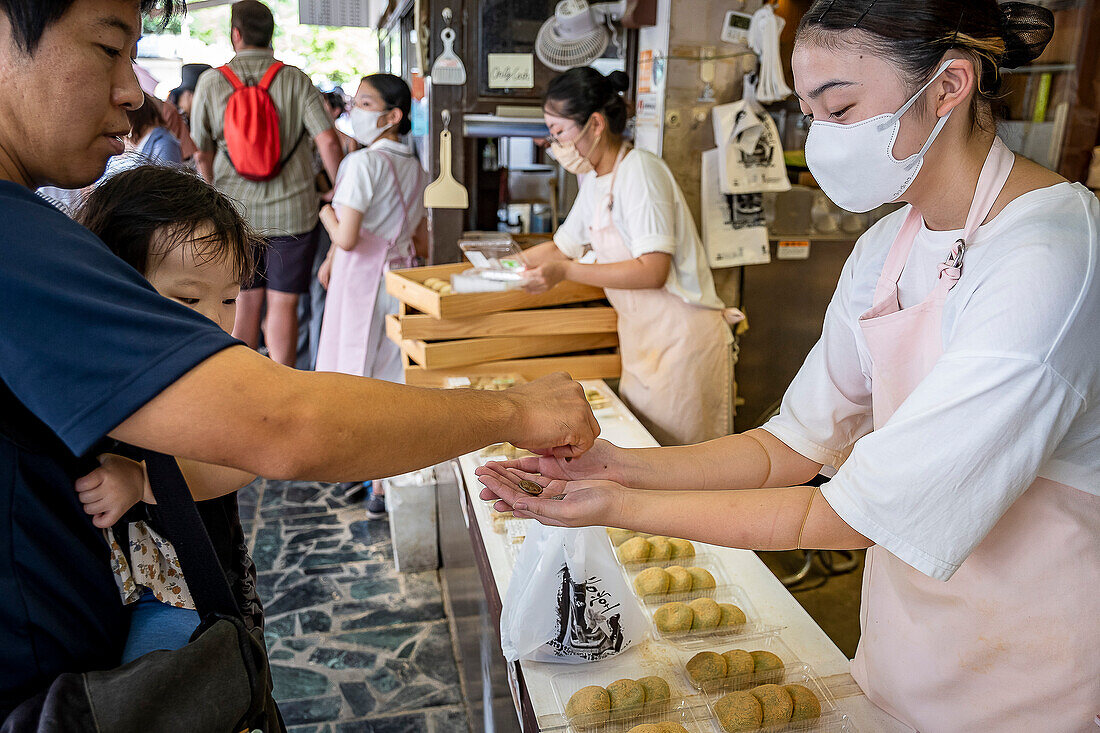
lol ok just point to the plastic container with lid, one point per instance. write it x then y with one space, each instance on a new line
766 642
637 566
494 256
692 638
631 665
830 720
704 560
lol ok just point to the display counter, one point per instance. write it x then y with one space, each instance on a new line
537 706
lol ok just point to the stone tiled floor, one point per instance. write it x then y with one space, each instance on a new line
355 646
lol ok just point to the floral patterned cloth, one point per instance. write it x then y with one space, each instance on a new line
155 566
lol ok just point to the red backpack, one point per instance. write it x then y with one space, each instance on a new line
252 127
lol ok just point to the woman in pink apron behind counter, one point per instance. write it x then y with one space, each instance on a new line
376 223
677 372
960 366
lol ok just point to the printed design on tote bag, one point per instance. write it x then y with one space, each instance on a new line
587 624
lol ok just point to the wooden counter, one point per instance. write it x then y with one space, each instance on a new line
774 604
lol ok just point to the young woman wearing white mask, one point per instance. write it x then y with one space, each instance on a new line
958 372
675 344
376 223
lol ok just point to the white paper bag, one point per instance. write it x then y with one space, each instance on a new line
568 600
752 155
734 233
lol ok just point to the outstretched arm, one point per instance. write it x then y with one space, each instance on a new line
750 460
240 409
756 519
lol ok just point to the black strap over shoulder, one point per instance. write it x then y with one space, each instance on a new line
185 530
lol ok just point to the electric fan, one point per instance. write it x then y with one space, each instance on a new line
578 33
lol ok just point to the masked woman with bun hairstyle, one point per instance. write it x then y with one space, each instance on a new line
377 223
955 387
675 344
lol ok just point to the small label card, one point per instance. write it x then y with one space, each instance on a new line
511 71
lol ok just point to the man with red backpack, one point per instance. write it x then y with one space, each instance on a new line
254 120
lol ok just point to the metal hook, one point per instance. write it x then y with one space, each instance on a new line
447 16
446 115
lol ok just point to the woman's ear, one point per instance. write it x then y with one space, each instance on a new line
599 125
955 86
394 117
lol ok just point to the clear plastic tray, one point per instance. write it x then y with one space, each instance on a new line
639 566
630 665
494 256
499 521
769 642
704 560
516 531
694 717
830 721
827 723
599 400
734 594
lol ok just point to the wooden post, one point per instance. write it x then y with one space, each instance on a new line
447 225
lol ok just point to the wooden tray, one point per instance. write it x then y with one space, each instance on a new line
442 354
408 287
547 321
592 366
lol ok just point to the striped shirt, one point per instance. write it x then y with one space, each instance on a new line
287 204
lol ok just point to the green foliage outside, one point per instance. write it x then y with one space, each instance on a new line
339 55
152 26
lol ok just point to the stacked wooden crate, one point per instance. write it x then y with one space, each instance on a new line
569 328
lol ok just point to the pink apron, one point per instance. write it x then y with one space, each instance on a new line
352 333
1011 642
677 365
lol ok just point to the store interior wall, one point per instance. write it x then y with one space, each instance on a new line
685 119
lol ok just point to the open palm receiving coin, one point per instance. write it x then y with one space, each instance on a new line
549 501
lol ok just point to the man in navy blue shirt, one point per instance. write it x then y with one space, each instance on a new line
89 351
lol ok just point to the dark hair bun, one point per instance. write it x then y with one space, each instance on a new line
582 92
619 81
1027 29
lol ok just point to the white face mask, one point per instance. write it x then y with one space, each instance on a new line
855 165
570 158
364 125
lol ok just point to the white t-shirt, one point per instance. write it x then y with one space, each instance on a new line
652 216
1015 395
365 183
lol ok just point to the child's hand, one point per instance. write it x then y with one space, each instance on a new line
110 490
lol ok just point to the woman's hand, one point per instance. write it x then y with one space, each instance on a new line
324 272
604 461
545 276
329 219
562 503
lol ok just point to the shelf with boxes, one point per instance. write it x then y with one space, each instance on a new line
444 334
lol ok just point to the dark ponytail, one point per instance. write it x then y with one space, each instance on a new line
582 92
915 36
396 94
